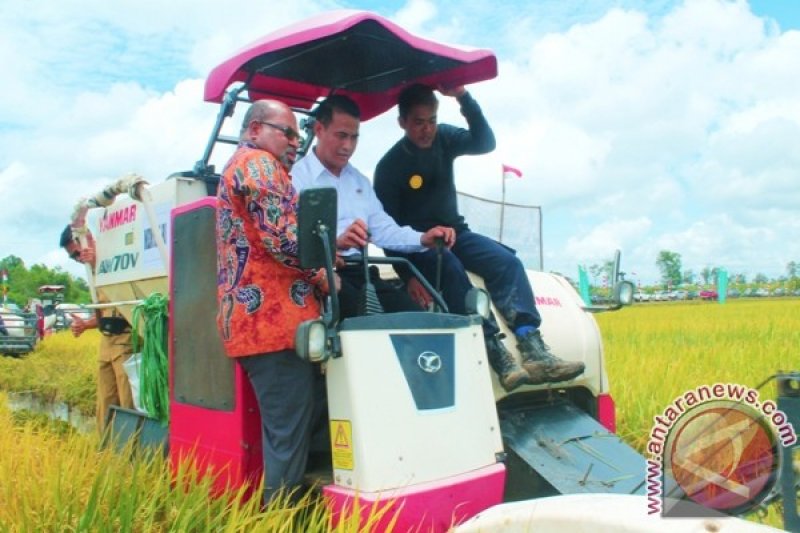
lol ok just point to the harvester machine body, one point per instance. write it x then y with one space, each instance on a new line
416 416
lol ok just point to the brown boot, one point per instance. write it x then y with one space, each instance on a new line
510 374
541 365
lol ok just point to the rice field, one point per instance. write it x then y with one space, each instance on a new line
62 368
655 352
53 478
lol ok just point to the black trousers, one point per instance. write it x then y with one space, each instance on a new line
393 298
289 399
501 270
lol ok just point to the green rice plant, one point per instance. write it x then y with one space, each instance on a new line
62 368
53 479
654 353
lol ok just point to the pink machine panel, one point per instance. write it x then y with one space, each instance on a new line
432 507
213 410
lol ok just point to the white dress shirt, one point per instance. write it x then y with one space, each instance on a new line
356 199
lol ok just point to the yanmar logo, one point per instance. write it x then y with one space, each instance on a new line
118 262
117 218
548 300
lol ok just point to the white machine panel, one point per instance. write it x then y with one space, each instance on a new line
129 264
387 435
567 328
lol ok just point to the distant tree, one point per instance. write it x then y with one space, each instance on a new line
714 275
669 263
11 262
688 277
23 284
608 270
739 278
792 269
760 278
706 275
595 270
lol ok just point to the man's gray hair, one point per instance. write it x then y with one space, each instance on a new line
259 110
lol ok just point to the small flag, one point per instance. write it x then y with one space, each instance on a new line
509 171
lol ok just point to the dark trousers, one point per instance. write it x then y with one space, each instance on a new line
393 298
501 270
288 399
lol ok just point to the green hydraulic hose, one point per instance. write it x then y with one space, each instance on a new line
154 383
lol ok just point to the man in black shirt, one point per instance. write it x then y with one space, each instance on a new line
414 181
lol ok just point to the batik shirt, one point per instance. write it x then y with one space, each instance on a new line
263 294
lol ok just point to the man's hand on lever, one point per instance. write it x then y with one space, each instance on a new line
355 236
448 236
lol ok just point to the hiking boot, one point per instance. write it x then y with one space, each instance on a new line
541 365
510 374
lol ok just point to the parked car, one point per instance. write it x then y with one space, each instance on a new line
641 297
733 293
708 294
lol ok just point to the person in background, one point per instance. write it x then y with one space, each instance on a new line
113 387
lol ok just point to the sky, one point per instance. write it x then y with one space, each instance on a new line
638 125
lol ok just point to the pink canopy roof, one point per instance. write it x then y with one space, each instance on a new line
356 53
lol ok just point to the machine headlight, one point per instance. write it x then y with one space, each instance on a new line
478 302
623 293
310 341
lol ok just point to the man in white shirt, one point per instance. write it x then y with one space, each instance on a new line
360 218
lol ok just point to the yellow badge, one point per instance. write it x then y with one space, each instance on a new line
415 182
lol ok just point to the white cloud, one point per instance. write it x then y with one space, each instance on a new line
633 130
598 244
415 15
675 120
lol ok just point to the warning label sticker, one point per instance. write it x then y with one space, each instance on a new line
342 444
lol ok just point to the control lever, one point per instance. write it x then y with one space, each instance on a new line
439 241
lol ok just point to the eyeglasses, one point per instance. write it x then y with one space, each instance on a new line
75 255
290 132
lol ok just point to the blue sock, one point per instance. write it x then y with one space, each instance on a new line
523 330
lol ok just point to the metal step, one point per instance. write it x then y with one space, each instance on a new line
559 449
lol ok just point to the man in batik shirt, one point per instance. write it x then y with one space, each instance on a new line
263 293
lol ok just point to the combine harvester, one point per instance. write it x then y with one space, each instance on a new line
435 438
18 334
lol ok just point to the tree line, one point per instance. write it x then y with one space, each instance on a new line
23 283
670 266
672 273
